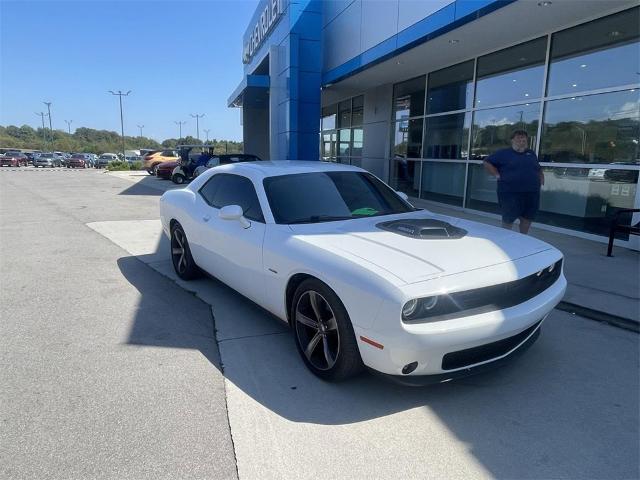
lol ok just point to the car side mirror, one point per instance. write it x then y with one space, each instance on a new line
234 212
403 195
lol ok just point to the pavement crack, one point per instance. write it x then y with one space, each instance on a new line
253 336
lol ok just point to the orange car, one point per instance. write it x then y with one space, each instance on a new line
152 159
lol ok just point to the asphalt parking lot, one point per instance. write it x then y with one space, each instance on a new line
112 368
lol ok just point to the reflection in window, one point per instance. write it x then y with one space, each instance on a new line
447 136
358 140
405 176
344 114
585 199
481 190
443 182
357 112
599 54
329 117
492 128
511 75
344 143
408 138
601 128
450 88
408 98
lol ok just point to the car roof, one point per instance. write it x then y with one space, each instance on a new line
271 168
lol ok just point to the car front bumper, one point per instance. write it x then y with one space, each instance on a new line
457 347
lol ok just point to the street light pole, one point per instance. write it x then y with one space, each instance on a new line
207 130
120 95
68 122
197 117
180 123
44 130
140 127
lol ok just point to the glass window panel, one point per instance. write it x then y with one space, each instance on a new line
344 114
511 75
408 98
599 54
492 128
329 117
601 128
450 88
481 190
586 199
443 182
357 113
447 136
408 138
358 141
405 176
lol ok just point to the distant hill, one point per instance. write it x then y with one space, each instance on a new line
89 140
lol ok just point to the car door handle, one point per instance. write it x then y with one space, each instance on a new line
206 218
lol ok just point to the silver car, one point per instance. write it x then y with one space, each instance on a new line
48 160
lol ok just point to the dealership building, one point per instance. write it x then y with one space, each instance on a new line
419 92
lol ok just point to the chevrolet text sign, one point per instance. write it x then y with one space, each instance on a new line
269 16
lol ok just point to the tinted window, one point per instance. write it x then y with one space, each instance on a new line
213 162
225 189
408 98
345 195
451 88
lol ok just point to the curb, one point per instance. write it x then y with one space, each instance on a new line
614 320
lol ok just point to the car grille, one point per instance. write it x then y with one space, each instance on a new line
483 353
492 298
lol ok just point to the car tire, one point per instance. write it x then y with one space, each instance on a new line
150 172
154 169
178 179
181 258
328 347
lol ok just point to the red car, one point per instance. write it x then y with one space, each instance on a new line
166 169
13 159
77 161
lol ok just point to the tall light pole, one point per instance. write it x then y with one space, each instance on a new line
140 127
44 130
120 95
180 123
48 104
68 122
207 130
197 117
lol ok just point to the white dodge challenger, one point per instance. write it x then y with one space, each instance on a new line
362 277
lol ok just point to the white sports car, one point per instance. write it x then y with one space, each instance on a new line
363 278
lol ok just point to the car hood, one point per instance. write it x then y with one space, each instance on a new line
412 260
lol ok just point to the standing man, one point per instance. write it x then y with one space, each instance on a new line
519 180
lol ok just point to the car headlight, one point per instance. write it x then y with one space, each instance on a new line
419 307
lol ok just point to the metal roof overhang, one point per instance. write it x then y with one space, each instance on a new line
250 86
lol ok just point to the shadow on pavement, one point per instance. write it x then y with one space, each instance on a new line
149 185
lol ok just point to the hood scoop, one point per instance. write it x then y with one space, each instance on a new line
423 228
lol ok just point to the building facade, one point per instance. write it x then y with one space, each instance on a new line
420 91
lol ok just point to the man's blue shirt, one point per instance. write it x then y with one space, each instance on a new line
519 172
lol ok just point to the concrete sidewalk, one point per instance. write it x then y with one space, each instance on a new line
609 286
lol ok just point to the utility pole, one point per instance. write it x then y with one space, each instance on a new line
44 130
48 104
68 122
207 130
120 94
197 117
180 123
141 127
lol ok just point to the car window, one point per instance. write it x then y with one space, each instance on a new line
227 189
213 162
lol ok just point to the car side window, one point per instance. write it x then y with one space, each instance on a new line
213 162
227 189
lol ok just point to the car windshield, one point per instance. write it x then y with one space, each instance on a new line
344 195
47 155
105 157
78 156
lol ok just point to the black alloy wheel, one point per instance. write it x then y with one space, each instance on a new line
181 258
178 179
323 332
154 169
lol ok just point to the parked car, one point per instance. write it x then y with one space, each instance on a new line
362 277
225 159
153 159
48 160
77 160
104 159
165 170
14 159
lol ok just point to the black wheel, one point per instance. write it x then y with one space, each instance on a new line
323 332
150 172
181 257
154 169
177 178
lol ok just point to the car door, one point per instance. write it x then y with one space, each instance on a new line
230 251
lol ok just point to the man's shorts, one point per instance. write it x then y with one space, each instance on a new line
514 205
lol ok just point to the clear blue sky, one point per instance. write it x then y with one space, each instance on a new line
177 58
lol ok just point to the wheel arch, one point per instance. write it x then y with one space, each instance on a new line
294 282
